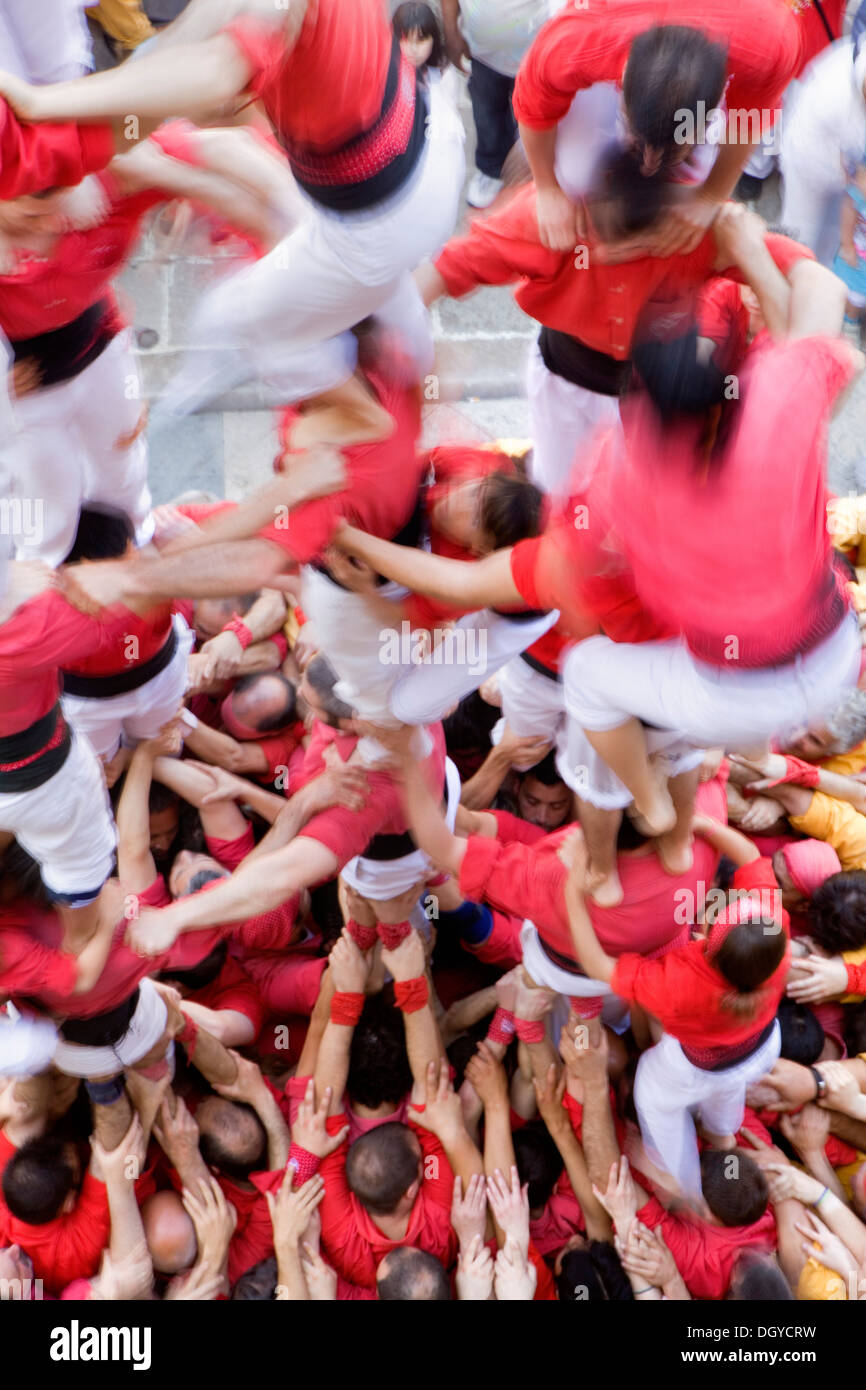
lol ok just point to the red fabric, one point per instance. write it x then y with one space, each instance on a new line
805 774
288 981
561 1218
588 44
330 86
813 33
530 1030
502 1027
235 989
36 157
26 967
305 1164
411 996
809 863
391 934
529 881
346 1008
274 930
502 947
138 639
705 1255
189 1037
363 937
757 877
253 1238
723 317
382 481
238 627
351 1240
69 1247
856 978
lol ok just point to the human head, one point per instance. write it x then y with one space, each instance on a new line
169 1232
673 74
317 692
802 1034
379 1071
210 615
758 1279
622 201
259 704
591 1273
164 807
746 946
40 1179
837 912
417 28
408 1275
735 1189
102 534
259 1284
542 796
491 512
191 871
232 1138
801 867
383 1169
844 730
538 1162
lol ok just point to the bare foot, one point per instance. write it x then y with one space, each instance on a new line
676 855
604 889
658 816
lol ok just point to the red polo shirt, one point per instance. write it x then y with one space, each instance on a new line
705 1255
36 157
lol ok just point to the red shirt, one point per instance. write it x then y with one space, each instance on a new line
36 157
382 483
69 1247
268 931
233 989
529 881
586 44
142 637
330 86
351 1240
28 968
705 1255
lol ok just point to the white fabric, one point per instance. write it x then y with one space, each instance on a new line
563 417
351 635
137 714
66 824
44 40
532 704
662 684
478 645
26 1043
146 1027
669 1091
545 972
498 32
381 879
581 768
65 454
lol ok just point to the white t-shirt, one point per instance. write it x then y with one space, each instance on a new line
499 32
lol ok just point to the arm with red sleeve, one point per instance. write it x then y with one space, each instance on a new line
48 632
36 157
498 250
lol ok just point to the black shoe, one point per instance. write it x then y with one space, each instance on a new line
748 188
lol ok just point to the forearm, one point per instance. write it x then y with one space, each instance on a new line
266 616
540 148
730 842
599 1135
726 170
427 823
212 1059
480 790
228 1026
852 1131
291 1284
465 584
254 888
133 820
111 1122
423 1044
276 1129
309 1058
593 958
202 573
843 789
332 1063
817 301
214 746
127 1231
93 956
844 1223
820 1167
598 1225
463 1155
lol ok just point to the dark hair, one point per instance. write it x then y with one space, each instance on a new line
225 1150
322 677
197 976
844 567
674 374
259 1284
23 870
326 912
539 1163
593 1275
102 534
161 798
198 881
413 1276
379 1070
412 18
670 69
758 1279
837 912
546 772
467 732
287 713
37 1180
634 200
382 1165
854 1020
747 956
802 1034
628 836
509 508
735 1189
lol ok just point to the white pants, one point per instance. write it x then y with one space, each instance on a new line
478 645
65 454
327 275
351 635
669 1090
66 825
563 418
568 986
146 1027
44 42
381 879
138 714
533 705
662 684
581 768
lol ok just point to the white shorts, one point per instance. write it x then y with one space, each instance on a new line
65 454
146 1027
351 635
533 705
138 714
669 1090
563 417
581 768
47 42
66 825
381 879
663 685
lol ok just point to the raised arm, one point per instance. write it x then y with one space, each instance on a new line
407 963
250 1088
348 968
587 948
466 583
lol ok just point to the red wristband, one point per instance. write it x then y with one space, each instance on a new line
346 1008
279 641
411 995
300 615
240 630
530 1030
588 1007
305 1164
393 934
802 773
501 1028
363 937
189 1035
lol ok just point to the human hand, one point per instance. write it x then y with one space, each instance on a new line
474 1278
514 1277
127 1279
456 47
321 1279
443 1113
509 1203
407 961
225 786
168 742
395 910
93 586
151 931
645 1255
220 658
585 1057
341 784
310 1127
761 813
831 1251
522 750
818 978
561 223
249 1086
787 1183
214 1219
532 1002
620 1200
291 1210
177 1135
488 1076
787 1086
317 472
685 225
843 1089
201 1285
506 989
306 645
761 770
469 1213
712 761
548 1098
349 966
360 910
123 1164
807 1130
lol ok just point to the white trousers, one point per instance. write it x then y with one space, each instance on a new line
581 768
381 879
65 453
662 684
563 418
66 825
669 1091
533 705
138 714
146 1027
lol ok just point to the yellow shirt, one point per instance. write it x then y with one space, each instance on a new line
839 824
846 764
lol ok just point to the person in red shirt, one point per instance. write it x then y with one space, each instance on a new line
675 61
367 143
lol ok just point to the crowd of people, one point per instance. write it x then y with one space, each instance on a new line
440 874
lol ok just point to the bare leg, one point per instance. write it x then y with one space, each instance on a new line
675 849
599 831
625 752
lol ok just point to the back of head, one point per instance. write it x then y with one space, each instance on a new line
593 1274
758 1279
802 1034
408 1275
509 509
267 700
102 534
847 724
382 1165
837 912
203 973
855 1028
37 1180
671 69
675 375
538 1162
379 1071
169 1232
322 678
735 1189
746 948
622 199
232 1138
259 1284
